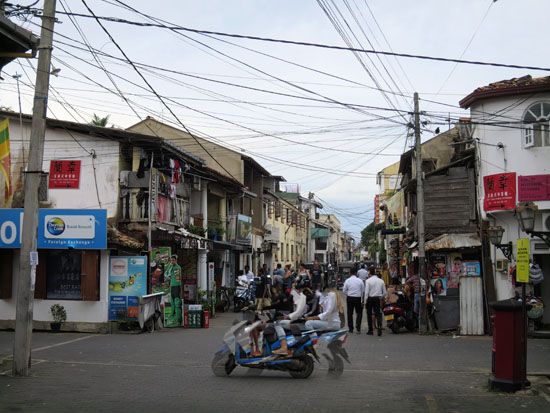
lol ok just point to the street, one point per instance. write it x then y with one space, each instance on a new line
171 369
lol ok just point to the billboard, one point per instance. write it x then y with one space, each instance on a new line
127 282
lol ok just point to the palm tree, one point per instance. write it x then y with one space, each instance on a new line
98 121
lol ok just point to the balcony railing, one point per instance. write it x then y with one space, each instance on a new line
135 208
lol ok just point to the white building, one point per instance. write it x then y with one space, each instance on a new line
511 128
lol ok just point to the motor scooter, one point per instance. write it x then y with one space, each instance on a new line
400 314
303 344
244 295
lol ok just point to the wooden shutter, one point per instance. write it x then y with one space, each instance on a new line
40 285
89 276
6 273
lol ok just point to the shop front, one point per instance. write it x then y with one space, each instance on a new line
72 266
454 270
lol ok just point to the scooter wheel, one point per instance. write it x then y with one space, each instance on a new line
394 327
223 363
306 370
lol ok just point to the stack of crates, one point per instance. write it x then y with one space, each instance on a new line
195 316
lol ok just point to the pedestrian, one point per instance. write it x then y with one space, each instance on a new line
304 273
263 293
354 290
375 291
288 279
278 275
363 274
249 274
316 276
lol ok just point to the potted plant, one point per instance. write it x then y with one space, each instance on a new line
59 316
122 320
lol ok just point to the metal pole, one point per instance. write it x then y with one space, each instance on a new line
27 272
423 322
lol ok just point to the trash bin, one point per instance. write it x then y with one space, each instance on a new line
509 350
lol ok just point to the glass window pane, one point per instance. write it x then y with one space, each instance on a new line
63 275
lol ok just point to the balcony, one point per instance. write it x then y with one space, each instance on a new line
239 229
135 208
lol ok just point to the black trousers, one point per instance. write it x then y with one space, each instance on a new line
373 307
354 303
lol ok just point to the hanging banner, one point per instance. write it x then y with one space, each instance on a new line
500 191
522 260
127 282
534 188
64 174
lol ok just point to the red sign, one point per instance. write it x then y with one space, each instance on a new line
64 174
500 191
377 209
534 188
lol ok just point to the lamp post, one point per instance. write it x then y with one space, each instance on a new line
525 214
495 237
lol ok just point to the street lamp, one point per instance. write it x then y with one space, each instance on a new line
495 237
526 213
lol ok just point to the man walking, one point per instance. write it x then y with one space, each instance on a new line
375 291
354 289
363 274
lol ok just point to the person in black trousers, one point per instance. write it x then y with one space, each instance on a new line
354 289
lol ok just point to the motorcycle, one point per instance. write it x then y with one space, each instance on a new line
244 295
399 314
236 350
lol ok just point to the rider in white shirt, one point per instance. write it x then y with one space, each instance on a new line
300 307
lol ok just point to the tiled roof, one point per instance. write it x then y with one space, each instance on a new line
517 85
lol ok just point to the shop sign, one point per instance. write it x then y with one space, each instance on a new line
127 282
533 188
500 191
522 260
64 174
57 228
160 258
244 229
472 268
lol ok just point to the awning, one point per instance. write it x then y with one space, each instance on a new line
228 246
453 242
117 237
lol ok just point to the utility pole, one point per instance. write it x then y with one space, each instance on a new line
27 269
422 322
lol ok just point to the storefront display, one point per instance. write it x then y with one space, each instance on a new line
127 281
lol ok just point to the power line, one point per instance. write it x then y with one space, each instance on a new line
309 44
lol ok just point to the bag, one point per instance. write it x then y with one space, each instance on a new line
535 274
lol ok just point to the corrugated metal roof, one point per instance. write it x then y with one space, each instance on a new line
453 241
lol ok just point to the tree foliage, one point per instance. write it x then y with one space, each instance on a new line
99 121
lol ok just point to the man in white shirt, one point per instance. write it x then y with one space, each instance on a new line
375 291
300 307
354 290
363 274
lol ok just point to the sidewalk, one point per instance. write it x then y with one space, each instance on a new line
171 369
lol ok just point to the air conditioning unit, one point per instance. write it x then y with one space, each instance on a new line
501 265
545 221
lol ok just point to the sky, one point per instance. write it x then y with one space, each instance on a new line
327 120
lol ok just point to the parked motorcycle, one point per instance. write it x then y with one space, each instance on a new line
244 295
236 351
399 314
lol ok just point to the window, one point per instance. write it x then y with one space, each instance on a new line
67 275
282 251
536 129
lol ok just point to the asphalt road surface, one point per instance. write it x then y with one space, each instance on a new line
170 369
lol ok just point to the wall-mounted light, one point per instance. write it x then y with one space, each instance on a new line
495 237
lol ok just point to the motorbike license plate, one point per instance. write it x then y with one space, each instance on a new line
388 317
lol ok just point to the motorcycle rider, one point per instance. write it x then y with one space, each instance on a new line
329 318
300 308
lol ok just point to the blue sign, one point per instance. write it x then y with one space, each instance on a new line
127 281
57 228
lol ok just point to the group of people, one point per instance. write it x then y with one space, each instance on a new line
296 296
364 288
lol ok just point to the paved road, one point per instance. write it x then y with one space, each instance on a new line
171 369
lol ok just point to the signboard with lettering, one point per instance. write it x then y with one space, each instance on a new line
127 282
534 188
500 191
522 260
64 174
57 228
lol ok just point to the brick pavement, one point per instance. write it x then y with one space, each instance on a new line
171 369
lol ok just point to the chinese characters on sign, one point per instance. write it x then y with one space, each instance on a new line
64 174
500 191
534 188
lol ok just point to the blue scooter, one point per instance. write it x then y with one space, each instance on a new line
237 351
